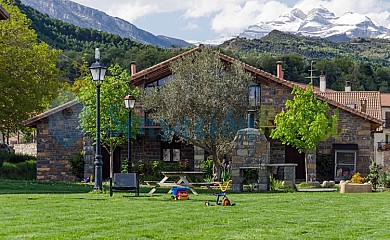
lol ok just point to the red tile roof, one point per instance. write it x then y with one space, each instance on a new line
353 100
31 122
385 99
162 69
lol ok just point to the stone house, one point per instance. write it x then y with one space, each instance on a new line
350 150
58 140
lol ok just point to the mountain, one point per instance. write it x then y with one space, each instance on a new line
86 17
321 23
276 43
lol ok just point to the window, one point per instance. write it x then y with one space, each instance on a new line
170 152
345 164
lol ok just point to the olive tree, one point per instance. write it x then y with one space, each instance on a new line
203 103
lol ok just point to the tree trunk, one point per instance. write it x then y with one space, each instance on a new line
111 161
306 167
216 168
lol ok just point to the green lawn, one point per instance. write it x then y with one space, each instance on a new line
30 210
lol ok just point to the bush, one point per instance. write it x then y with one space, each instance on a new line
385 180
207 166
275 184
15 158
19 171
374 175
325 167
77 164
357 178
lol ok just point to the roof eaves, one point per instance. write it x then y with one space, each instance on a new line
31 122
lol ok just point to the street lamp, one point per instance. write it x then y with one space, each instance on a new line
254 103
129 104
98 70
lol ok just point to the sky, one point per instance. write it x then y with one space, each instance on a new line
209 19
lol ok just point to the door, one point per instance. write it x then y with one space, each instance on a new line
293 156
106 162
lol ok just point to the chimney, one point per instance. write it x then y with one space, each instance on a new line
322 82
279 70
348 86
133 68
363 103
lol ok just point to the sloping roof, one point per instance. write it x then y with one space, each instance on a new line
31 122
354 98
3 14
385 99
162 69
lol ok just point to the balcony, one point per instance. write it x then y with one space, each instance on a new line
383 146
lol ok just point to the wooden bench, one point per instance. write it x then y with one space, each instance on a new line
150 183
125 182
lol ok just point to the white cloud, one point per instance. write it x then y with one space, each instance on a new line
234 18
191 26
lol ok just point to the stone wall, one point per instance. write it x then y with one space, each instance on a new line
352 130
58 140
26 148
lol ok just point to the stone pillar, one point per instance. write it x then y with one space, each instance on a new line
263 180
89 156
289 176
311 165
198 158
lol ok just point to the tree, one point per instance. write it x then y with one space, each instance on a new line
203 104
114 115
305 122
28 72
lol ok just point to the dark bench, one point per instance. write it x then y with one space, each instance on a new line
125 182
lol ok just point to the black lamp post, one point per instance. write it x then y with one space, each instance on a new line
129 104
98 70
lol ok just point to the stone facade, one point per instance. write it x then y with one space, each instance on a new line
352 129
58 140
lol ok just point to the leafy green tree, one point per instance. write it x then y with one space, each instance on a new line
203 104
305 122
28 72
114 115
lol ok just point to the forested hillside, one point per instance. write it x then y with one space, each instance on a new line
364 62
78 43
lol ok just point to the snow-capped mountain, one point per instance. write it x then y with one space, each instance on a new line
320 22
83 16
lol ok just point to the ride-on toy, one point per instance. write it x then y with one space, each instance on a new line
225 200
179 193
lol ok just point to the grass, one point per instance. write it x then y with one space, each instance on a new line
30 210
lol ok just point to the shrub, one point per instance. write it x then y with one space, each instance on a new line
357 178
374 175
275 184
77 164
207 166
385 179
325 167
15 158
19 171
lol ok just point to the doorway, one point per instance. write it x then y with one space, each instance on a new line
293 156
106 162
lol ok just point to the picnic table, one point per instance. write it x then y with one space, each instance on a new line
183 179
